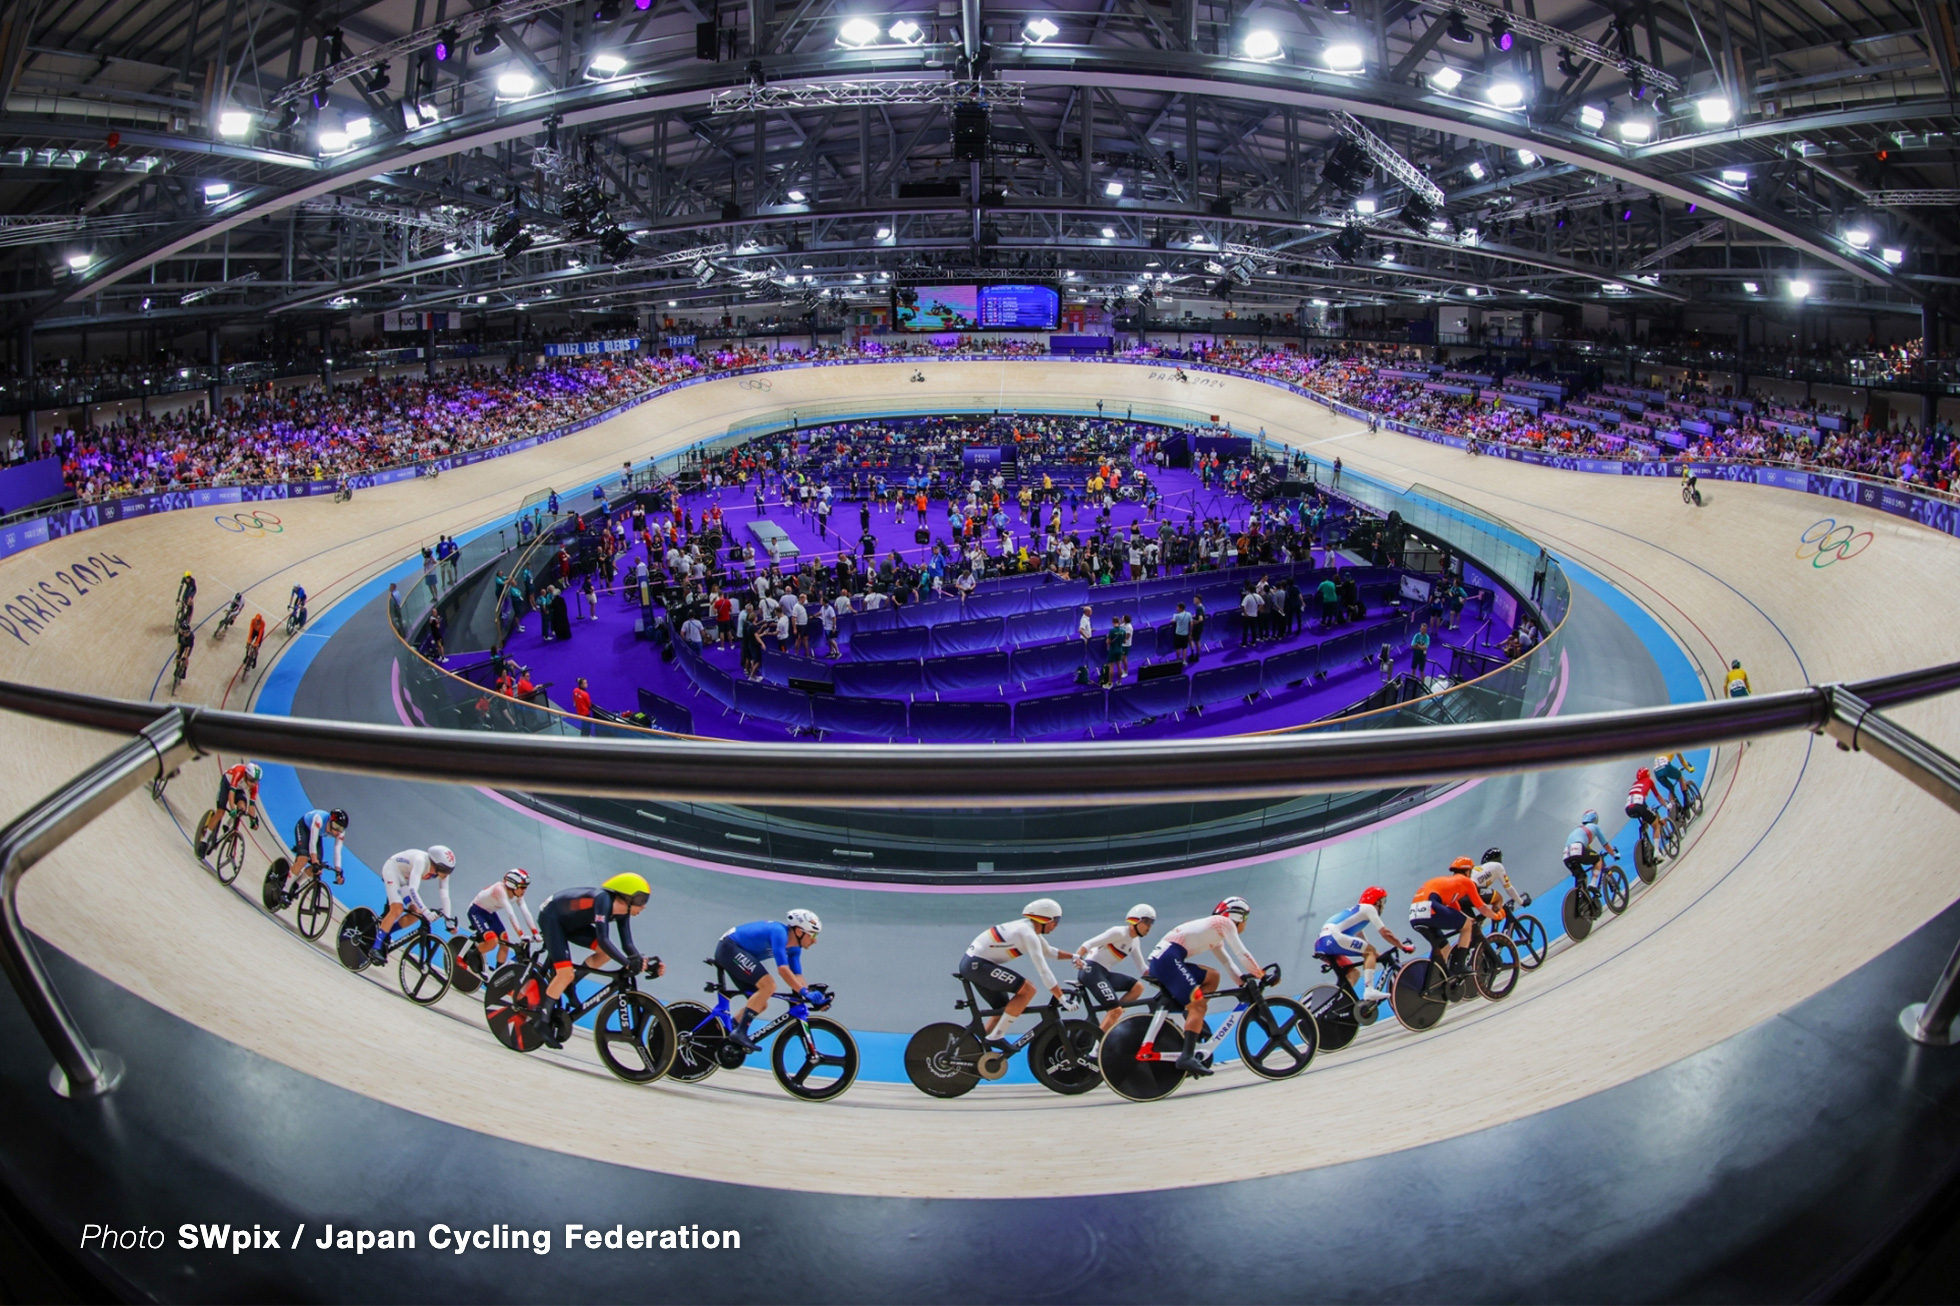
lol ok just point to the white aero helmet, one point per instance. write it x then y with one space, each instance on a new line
1043 909
441 858
517 878
1237 908
798 918
1143 911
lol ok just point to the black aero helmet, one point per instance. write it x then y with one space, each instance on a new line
1493 854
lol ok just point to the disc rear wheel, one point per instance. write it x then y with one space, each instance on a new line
1141 1081
943 1060
1333 1015
698 1037
513 1001
1418 997
1063 1057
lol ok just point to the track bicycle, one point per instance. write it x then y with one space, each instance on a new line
815 1058
1286 1039
229 615
1423 989
343 492
1648 849
1337 1009
295 618
1691 492
180 670
425 963
226 849
312 900
948 1060
1603 888
633 1034
469 962
251 658
1527 932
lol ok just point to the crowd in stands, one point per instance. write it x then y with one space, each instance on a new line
367 424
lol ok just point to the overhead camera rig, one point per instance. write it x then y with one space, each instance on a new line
1634 70
872 94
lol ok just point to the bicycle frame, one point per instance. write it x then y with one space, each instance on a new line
1163 1014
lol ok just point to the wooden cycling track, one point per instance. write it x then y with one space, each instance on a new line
1840 855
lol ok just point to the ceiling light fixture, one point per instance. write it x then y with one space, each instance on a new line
234 123
514 86
1501 35
1714 110
1457 30
216 190
1446 79
1038 30
1734 179
604 66
1113 189
857 33
1505 94
488 41
1592 117
1527 158
1799 290
1894 257
1636 128
906 32
1343 57
1262 45
795 196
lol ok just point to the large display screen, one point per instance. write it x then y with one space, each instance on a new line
938 308
978 308
1027 308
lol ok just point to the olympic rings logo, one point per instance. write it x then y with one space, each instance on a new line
1829 542
257 522
755 383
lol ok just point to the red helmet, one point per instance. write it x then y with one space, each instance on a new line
1370 897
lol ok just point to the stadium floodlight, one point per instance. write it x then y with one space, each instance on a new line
1894 257
214 191
857 33
1527 158
604 66
1365 205
884 233
1799 290
1858 238
1734 178
1446 79
1343 57
906 32
1113 189
234 123
1263 45
795 196
1476 170
1750 287
1714 110
514 85
1109 233
80 262
1038 30
1505 94
1636 127
332 141
1592 117
359 129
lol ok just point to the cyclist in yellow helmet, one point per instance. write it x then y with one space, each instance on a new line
582 916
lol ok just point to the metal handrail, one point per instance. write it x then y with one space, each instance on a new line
1000 775
885 775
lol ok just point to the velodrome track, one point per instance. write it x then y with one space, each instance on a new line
1810 863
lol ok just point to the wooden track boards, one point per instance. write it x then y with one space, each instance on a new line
1811 861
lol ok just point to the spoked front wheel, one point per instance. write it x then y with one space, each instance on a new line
423 971
1141 1081
230 857
634 1036
1277 1039
1670 839
1495 967
313 909
1063 1057
1614 882
815 1059
1528 932
1693 792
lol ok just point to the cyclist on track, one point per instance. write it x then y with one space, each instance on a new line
1006 990
582 916
1670 782
1494 883
255 635
230 614
488 911
1585 847
402 876
238 789
1736 683
1440 911
186 641
741 953
1190 985
296 608
1343 940
315 831
186 591
1116 944
1640 803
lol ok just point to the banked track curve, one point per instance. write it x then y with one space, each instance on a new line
1790 822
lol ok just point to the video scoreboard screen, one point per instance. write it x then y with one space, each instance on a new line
977 308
